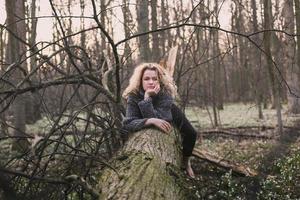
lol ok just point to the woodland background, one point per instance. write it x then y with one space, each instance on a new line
60 98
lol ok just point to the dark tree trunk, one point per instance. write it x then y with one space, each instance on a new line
155 40
256 64
3 126
289 58
15 10
272 74
143 26
33 100
297 12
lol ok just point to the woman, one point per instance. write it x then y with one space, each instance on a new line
150 102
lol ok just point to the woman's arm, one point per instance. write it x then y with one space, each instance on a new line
161 110
133 121
147 109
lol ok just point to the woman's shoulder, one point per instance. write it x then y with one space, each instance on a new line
132 97
165 96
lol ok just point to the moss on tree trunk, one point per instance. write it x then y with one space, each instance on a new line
148 167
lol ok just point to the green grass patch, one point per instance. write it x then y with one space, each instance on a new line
238 114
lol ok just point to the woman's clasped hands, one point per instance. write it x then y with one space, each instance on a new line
160 123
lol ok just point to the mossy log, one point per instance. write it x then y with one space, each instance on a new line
148 167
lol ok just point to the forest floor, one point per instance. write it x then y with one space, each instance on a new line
275 157
243 139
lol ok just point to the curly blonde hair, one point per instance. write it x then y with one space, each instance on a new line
135 83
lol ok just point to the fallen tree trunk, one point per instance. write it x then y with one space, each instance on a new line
148 167
226 164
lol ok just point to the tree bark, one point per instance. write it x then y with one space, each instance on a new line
235 58
127 28
218 90
267 44
3 126
154 25
242 54
297 12
15 10
146 168
143 26
289 58
103 22
256 62
214 85
33 101
163 24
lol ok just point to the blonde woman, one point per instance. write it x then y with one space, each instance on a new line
150 102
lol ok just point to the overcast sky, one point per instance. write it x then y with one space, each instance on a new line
44 27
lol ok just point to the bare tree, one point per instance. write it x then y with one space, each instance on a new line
128 26
15 10
3 126
272 74
216 70
164 19
257 78
289 62
103 21
217 63
235 55
33 101
297 12
143 27
82 27
154 25
242 55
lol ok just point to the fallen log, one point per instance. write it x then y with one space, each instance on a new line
226 133
147 167
226 164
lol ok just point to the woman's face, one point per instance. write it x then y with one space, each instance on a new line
150 79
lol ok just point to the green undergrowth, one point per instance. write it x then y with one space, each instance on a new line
278 173
282 181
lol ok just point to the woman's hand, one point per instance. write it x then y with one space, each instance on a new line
152 92
160 123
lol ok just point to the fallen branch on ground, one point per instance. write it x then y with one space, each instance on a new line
226 164
234 134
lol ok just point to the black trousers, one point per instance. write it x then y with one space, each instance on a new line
188 133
